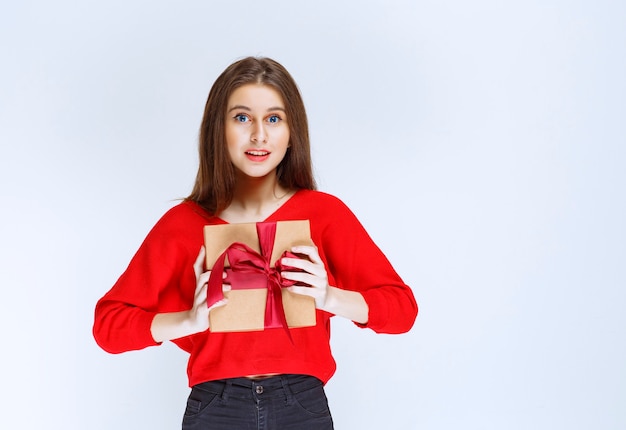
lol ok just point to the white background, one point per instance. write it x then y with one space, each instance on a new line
482 144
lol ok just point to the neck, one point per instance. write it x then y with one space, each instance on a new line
255 199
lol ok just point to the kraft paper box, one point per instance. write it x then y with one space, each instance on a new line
245 310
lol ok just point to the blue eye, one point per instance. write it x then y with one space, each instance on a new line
273 119
241 118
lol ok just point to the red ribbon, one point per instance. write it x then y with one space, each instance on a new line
251 270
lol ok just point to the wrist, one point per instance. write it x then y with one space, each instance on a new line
347 304
173 325
330 300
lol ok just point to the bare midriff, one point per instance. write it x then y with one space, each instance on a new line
264 376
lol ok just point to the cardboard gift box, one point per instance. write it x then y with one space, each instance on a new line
257 299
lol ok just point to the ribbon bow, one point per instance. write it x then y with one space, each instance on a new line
251 270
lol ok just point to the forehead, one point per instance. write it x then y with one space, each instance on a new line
256 96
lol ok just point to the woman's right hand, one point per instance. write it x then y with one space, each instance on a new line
199 313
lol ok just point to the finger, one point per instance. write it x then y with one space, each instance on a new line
306 265
219 304
203 278
309 251
198 265
305 278
201 295
304 291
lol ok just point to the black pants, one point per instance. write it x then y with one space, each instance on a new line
282 402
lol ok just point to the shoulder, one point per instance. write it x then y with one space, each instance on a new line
177 235
183 218
321 200
325 210
186 212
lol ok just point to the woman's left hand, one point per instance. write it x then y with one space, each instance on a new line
313 275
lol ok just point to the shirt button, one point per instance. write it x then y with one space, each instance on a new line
259 389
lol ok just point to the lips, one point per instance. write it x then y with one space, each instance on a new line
257 155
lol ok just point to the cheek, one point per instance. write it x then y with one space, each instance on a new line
232 137
284 136
231 144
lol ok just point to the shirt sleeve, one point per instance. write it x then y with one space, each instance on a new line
159 278
358 264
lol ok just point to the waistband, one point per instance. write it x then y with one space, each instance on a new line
279 385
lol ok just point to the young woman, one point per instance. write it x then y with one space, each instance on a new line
255 165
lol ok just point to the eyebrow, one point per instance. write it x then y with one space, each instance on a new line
243 107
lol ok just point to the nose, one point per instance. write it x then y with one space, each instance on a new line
258 133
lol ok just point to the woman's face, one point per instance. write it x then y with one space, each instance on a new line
257 132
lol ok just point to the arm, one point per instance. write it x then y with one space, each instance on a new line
174 325
354 263
160 279
347 304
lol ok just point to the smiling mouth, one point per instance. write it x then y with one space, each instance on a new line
257 153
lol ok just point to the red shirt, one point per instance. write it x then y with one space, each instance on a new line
160 278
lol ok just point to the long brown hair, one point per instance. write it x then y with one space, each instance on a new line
215 181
